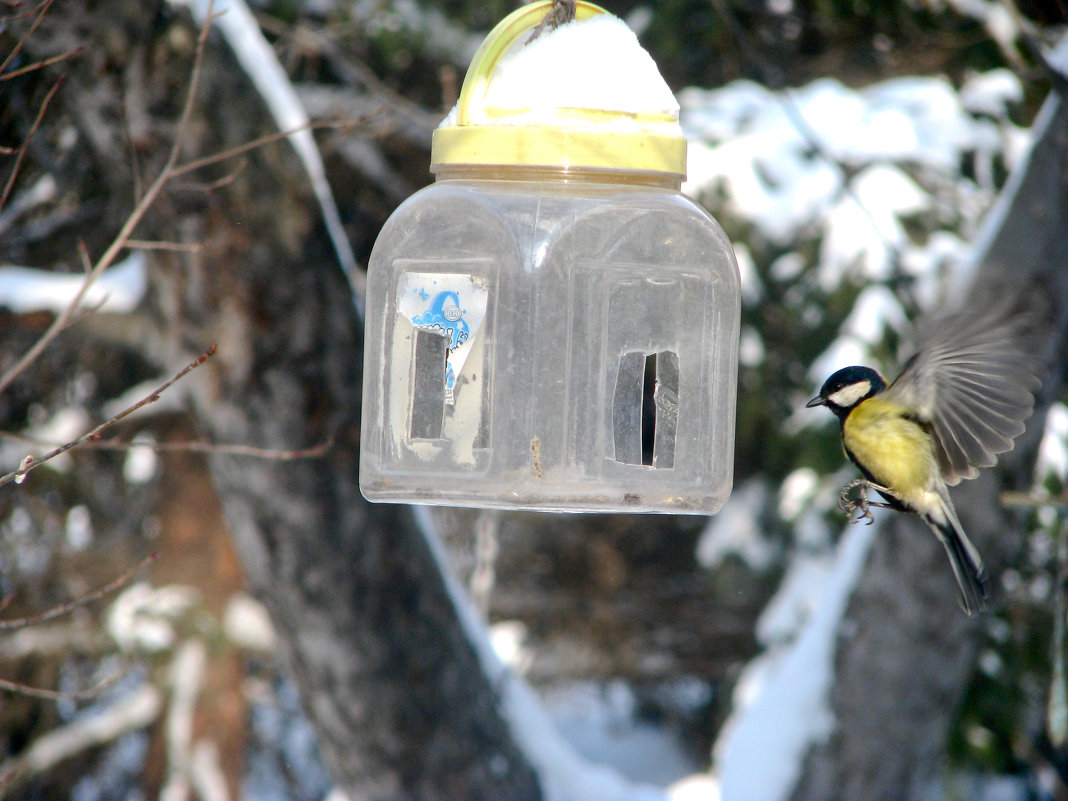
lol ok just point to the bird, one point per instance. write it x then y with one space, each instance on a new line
959 400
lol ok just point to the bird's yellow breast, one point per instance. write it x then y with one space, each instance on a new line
895 450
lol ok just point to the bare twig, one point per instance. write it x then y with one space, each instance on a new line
41 11
267 139
562 12
1032 499
21 43
138 213
74 603
48 62
115 444
62 320
55 695
144 244
170 170
9 185
57 611
354 71
31 462
218 183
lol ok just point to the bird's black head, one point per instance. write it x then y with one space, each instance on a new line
848 387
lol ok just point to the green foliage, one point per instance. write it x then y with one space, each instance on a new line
1002 719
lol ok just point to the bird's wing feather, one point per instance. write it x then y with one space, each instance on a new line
972 379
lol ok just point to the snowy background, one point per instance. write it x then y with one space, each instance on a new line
854 207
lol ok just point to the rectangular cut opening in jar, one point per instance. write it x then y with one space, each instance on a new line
640 369
439 366
429 364
645 409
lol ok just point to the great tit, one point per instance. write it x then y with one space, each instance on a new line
961 399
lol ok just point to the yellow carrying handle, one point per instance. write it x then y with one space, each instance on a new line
498 42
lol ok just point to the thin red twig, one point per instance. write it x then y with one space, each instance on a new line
139 211
21 43
48 62
144 244
55 695
74 603
267 139
169 171
10 184
115 444
31 462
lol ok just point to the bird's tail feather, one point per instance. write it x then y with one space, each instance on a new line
965 560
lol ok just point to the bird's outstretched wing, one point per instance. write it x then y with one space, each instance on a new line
972 379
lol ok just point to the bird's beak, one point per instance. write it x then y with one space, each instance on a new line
819 400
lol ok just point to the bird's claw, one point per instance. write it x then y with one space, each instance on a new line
851 505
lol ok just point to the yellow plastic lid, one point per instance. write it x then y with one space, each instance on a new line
507 132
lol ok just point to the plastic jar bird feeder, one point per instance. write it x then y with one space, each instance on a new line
552 324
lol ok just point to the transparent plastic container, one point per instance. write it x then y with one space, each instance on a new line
551 337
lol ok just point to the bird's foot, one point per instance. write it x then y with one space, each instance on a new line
861 503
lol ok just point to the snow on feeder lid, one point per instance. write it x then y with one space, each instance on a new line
552 324
586 95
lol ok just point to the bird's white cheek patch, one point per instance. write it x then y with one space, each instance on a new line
847 396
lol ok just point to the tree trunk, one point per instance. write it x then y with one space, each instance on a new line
903 667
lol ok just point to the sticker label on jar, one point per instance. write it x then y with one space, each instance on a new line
450 304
